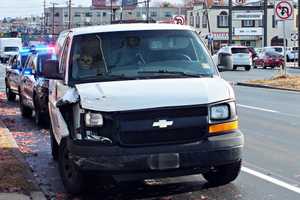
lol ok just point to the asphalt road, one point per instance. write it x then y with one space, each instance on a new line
268 118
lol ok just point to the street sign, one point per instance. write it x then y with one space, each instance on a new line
247 16
294 37
284 10
179 19
248 31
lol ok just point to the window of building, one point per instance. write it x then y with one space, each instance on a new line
77 14
168 14
222 20
153 14
88 14
138 14
204 21
56 14
198 21
260 23
191 19
104 14
248 23
274 22
66 14
99 14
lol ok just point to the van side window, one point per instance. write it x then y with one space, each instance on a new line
64 57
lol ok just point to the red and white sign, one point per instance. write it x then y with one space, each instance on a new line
180 19
240 2
284 10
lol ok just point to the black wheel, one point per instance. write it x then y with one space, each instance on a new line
54 145
234 68
72 178
40 118
224 174
9 94
247 68
25 111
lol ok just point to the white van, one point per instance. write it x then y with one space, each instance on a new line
9 47
140 101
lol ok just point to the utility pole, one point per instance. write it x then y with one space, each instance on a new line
211 46
70 15
265 22
148 11
53 14
111 11
230 23
44 19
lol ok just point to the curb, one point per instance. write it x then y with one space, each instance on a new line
35 194
265 86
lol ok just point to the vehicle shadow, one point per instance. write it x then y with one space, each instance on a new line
160 190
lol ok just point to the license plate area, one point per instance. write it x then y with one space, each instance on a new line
164 161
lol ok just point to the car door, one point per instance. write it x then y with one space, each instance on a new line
13 74
27 81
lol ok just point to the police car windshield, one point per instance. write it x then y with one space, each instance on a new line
129 53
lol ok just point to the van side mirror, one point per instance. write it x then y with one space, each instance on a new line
51 70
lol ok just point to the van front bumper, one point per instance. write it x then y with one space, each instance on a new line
143 162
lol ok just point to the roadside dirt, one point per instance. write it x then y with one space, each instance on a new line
14 173
287 82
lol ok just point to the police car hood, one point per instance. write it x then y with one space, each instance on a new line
154 93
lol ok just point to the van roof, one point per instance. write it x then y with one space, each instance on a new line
127 27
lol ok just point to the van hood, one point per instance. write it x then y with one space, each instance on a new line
154 93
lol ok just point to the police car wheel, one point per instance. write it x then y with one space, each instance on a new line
223 174
9 95
54 145
72 178
25 111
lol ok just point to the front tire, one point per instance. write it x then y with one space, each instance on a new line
25 111
224 174
9 94
247 68
72 178
54 145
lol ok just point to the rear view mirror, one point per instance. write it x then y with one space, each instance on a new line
50 70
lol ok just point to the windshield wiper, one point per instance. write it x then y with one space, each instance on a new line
166 72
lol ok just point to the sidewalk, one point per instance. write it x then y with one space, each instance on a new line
16 179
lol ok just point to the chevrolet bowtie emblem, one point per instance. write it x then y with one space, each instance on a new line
162 124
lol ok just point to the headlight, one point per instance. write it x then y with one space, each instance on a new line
219 112
93 120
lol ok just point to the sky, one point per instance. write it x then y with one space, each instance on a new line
15 8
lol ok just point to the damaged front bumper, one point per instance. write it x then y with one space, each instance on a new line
158 161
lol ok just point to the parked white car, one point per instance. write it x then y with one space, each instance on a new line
292 54
277 49
9 47
232 57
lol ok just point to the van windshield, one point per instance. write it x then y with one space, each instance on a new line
9 49
139 54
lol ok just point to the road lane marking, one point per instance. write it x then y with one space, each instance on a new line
258 108
271 180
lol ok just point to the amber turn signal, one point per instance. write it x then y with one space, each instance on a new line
224 127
